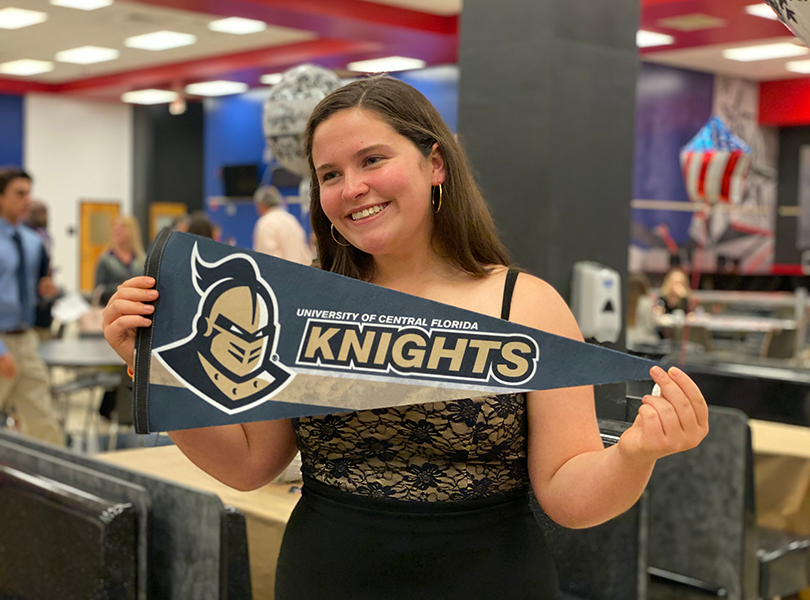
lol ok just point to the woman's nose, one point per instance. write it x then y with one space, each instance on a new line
354 186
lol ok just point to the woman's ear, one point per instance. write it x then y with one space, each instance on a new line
437 162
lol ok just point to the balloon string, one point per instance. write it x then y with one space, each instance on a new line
694 282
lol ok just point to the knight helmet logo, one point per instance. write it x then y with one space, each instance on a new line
227 359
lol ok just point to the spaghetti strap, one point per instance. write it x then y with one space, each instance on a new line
508 288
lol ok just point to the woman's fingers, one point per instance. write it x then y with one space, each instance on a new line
118 307
693 393
672 393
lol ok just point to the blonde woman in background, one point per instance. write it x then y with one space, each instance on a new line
122 260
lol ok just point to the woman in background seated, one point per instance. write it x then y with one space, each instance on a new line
641 328
123 260
675 291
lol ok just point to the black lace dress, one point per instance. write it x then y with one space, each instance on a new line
416 502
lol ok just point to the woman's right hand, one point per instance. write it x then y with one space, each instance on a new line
125 312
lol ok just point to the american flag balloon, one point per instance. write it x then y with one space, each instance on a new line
715 164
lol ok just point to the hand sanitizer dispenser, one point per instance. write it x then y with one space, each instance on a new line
596 301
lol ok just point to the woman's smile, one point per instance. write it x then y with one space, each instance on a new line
367 213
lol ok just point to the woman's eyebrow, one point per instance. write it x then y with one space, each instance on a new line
361 152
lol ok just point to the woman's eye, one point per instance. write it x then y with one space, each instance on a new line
371 160
327 176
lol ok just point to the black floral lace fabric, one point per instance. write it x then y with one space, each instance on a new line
442 451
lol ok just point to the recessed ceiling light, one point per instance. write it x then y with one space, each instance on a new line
26 67
798 66
150 96
160 40
237 25
82 4
764 52
87 55
761 10
271 78
386 65
647 39
216 88
691 22
16 18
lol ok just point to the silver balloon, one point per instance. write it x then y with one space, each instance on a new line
795 14
287 110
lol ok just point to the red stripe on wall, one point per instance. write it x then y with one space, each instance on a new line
784 102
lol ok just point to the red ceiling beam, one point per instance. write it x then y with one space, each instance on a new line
339 12
784 103
18 86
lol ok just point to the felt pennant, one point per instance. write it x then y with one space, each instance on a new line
239 336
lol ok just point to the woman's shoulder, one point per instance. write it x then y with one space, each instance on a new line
536 304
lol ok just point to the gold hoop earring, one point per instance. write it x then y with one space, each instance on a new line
439 207
334 238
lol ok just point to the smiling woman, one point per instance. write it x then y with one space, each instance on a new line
427 501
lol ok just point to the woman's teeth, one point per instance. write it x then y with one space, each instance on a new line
368 212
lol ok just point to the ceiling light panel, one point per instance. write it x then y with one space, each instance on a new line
17 18
82 4
271 78
649 39
386 65
691 22
150 96
26 67
761 10
798 66
87 55
764 52
160 40
237 26
216 88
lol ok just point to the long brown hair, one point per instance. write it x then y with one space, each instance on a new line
463 230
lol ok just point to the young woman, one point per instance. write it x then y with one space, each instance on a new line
428 501
122 260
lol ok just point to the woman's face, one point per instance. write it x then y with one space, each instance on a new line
375 185
120 235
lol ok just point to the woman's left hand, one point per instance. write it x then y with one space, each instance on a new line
675 421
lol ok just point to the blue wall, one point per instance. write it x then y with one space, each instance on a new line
11 130
671 106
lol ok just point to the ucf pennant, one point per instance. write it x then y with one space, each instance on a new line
239 336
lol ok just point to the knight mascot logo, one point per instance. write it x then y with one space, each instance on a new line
228 360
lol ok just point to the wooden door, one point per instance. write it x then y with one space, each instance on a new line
95 227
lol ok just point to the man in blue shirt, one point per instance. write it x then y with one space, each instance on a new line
24 388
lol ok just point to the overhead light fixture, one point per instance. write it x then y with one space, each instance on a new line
691 22
160 40
87 55
17 18
271 78
82 4
798 66
216 88
648 39
761 10
151 96
237 25
386 65
26 67
764 52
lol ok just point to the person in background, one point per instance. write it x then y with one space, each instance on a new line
641 328
37 220
199 224
430 500
675 291
123 260
277 232
25 391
